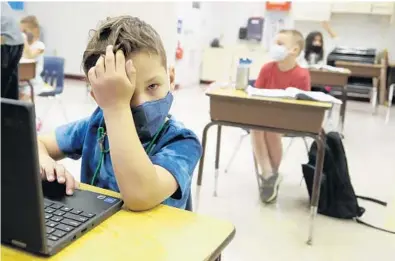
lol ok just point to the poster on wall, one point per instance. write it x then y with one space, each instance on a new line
17 5
277 17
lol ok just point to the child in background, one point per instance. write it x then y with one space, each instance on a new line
281 73
314 52
130 144
33 50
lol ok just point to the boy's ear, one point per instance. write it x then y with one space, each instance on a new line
93 95
172 77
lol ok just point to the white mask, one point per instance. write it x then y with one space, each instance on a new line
278 52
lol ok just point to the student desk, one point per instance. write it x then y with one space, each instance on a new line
27 72
229 107
333 79
376 71
164 233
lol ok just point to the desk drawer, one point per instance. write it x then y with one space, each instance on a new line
267 113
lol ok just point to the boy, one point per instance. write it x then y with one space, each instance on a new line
281 73
129 144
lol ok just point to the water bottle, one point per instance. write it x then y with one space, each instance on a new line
243 74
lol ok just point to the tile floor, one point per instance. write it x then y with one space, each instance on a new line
278 232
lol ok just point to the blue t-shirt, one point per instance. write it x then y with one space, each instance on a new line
177 150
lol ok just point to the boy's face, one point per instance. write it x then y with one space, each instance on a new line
287 40
152 80
28 30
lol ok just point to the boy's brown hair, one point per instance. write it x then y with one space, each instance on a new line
126 33
296 35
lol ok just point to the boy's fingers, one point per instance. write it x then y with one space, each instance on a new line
60 173
131 71
110 59
99 68
120 61
70 183
49 173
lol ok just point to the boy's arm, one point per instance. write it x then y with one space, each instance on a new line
48 146
32 53
142 184
66 140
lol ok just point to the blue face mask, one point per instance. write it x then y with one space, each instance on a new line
150 116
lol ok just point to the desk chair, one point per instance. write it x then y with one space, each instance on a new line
53 74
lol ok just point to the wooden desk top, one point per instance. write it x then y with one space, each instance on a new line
232 93
164 233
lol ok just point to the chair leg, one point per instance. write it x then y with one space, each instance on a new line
60 102
46 111
373 99
235 152
390 97
306 144
287 148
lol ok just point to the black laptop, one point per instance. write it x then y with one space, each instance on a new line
33 217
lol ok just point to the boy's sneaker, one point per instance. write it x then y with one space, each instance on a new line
269 187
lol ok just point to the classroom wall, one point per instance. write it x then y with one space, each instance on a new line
357 30
372 31
66 25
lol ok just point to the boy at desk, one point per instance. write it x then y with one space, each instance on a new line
130 143
281 73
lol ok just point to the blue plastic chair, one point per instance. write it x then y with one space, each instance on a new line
53 74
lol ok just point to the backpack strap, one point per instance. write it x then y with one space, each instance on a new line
373 200
363 210
371 226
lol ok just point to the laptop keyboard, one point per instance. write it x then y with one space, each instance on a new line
61 220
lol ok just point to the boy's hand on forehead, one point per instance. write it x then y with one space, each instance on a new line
113 80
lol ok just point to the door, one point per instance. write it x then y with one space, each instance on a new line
190 38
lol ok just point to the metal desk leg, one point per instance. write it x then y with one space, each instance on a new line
373 99
201 163
343 110
320 139
217 154
31 91
390 97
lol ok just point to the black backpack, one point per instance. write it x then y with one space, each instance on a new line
337 196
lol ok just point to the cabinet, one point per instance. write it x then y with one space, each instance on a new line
311 11
383 8
375 8
352 7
